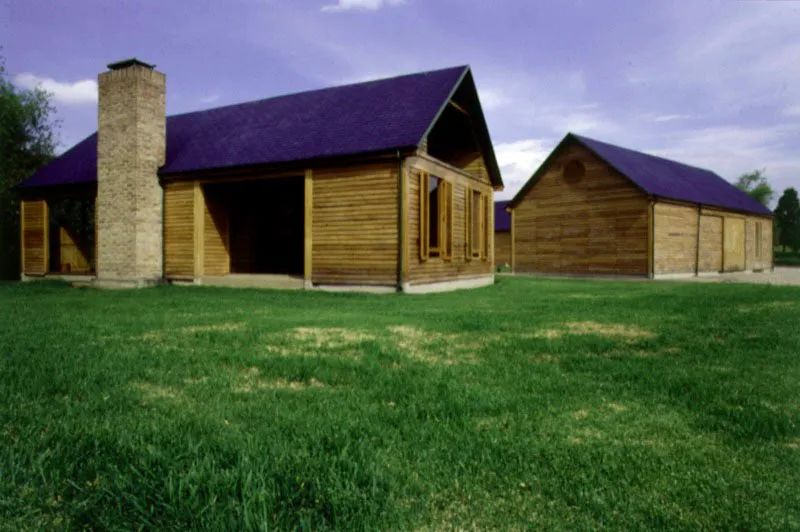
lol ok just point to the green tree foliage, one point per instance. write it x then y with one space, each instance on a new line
787 219
756 186
27 141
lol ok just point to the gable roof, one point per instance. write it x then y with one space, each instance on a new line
375 116
659 177
502 218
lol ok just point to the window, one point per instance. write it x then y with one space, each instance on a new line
477 226
435 217
758 240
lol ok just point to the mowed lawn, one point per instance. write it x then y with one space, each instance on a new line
530 404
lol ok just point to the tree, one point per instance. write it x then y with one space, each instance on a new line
27 142
787 219
756 186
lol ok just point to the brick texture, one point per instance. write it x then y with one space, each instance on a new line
131 147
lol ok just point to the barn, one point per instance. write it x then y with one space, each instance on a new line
596 208
502 234
384 185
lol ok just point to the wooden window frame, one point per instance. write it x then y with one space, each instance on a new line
445 200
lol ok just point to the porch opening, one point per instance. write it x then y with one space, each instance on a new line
71 235
264 221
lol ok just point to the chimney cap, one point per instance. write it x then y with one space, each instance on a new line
126 63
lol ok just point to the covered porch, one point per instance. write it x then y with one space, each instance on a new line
58 234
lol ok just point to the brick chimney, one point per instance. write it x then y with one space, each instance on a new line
131 146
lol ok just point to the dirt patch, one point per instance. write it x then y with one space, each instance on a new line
249 380
611 330
221 327
616 407
580 415
544 358
433 347
771 305
155 392
164 334
331 338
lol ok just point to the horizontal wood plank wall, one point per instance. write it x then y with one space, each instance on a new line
354 225
598 224
437 269
216 236
502 248
35 237
710 243
675 238
179 230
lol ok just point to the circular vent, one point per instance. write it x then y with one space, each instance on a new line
574 171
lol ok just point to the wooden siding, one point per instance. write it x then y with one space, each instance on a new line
502 248
437 269
675 238
354 225
754 260
216 236
710 243
597 224
35 237
733 244
179 230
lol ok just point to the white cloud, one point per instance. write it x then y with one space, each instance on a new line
75 93
360 5
211 98
518 161
671 118
792 110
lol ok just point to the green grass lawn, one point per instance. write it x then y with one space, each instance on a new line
787 258
530 404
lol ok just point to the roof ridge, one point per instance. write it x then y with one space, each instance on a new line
322 89
640 152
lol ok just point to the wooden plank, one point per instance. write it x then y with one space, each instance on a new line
198 209
513 243
35 237
404 223
22 236
734 244
179 233
308 226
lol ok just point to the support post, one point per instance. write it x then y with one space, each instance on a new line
199 231
513 245
308 222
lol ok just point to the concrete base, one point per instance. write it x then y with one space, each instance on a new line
124 284
448 286
244 280
67 278
362 288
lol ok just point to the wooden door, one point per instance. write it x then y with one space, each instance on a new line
733 244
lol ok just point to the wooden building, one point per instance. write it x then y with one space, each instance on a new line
502 234
384 185
595 208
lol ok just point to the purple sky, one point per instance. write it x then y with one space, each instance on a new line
710 83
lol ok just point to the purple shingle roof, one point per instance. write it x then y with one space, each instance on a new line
662 178
366 117
502 219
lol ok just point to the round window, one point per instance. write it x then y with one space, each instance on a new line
574 171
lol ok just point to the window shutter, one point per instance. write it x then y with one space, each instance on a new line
485 233
468 223
424 198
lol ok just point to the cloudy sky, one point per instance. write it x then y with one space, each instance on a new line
711 83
